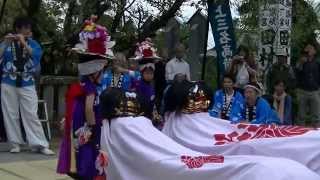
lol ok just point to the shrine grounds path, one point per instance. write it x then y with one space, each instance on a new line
28 165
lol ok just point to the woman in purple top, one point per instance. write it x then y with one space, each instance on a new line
145 87
85 123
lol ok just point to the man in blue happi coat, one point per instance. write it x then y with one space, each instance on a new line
256 110
228 103
20 55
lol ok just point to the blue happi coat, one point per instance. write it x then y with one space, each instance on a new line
107 81
264 113
9 68
236 109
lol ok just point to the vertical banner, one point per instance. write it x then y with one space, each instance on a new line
283 39
275 29
220 18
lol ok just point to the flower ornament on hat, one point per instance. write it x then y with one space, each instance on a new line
94 47
94 40
146 54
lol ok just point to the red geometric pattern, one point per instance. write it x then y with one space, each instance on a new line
249 131
199 161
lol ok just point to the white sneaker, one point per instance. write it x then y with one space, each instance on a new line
47 151
15 149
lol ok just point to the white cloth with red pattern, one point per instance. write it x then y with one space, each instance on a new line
138 151
203 133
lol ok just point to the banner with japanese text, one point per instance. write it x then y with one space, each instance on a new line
275 23
220 18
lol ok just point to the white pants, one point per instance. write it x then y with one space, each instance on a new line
25 101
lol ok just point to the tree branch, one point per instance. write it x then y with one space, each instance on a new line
162 20
133 1
2 9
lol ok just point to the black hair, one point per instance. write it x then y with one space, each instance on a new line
243 48
111 98
229 76
21 22
313 42
279 82
177 95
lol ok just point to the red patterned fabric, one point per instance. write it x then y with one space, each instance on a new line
147 53
249 131
74 91
199 161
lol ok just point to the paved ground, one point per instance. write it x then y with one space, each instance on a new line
27 165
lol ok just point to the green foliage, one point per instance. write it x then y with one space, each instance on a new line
211 74
305 22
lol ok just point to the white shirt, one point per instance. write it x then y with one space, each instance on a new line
229 98
175 66
243 76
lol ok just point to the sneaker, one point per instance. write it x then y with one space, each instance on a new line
47 151
15 149
35 150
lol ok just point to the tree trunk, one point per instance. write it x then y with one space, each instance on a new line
2 9
67 26
117 19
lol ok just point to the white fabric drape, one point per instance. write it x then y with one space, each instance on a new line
201 132
138 151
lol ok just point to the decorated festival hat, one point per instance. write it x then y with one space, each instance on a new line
187 97
89 64
146 54
198 99
94 40
94 47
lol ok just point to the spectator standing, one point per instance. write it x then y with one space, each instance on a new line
177 65
21 56
243 68
281 71
282 103
118 76
308 74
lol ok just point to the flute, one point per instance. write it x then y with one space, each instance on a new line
15 36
